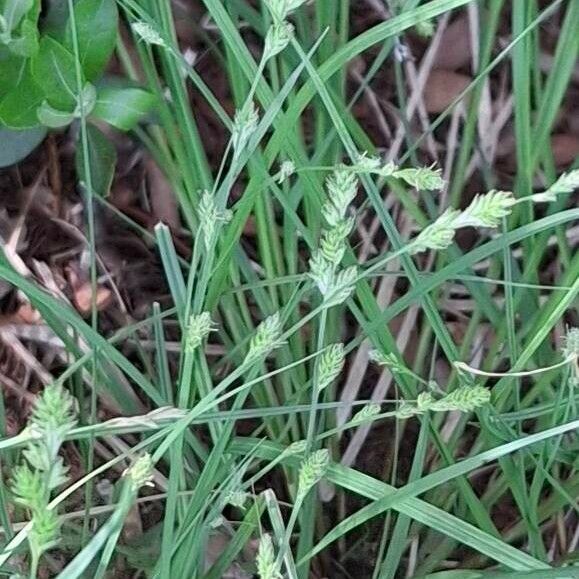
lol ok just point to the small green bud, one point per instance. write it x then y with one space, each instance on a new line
425 28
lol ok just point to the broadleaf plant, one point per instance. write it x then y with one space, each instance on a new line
40 60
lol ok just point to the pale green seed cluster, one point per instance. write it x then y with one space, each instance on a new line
278 37
484 211
389 360
53 417
265 561
147 33
366 413
140 473
286 170
566 183
463 399
571 347
238 498
421 178
334 284
210 216
330 364
266 338
199 328
298 447
312 470
244 126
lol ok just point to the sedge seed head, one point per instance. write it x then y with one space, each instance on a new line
266 338
571 347
312 470
277 38
199 328
330 364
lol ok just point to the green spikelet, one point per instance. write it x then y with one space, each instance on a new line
312 470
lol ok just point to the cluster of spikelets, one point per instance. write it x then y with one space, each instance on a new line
43 471
312 470
334 283
465 398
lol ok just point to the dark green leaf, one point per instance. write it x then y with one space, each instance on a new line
18 107
96 25
102 159
123 107
53 69
18 144
13 68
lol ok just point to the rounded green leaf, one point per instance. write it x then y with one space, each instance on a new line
102 159
96 26
18 107
53 69
123 107
16 145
